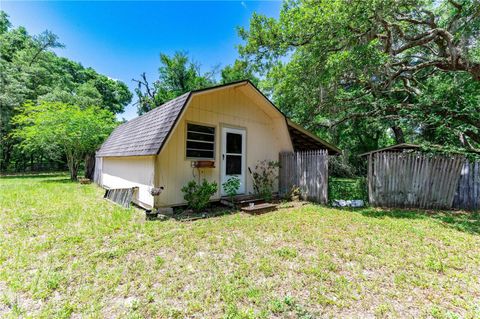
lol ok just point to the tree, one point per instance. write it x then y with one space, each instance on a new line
177 75
30 71
63 129
329 63
240 70
452 102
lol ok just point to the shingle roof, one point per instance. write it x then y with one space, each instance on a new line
145 134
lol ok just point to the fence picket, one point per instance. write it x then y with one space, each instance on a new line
468 191
415 180
307 170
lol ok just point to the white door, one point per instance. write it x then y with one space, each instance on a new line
233 157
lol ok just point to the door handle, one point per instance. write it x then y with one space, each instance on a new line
223 156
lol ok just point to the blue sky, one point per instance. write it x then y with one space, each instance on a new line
123 39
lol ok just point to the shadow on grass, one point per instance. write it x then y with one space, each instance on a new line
33 175
460 220
197 216
58 181
183 214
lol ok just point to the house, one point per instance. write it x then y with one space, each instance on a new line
213 133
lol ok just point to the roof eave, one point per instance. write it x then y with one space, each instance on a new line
329 146
401 146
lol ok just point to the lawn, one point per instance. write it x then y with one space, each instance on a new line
66 252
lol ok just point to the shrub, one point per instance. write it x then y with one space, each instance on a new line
341 166
264 177
346 188
231 187
198 195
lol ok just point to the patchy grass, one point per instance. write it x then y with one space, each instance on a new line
65 252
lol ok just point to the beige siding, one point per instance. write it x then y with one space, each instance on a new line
266 136
125 172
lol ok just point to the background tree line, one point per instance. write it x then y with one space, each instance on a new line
361 74
31 74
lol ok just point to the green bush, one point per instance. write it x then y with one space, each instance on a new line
231 187
264 178
198 195
347 188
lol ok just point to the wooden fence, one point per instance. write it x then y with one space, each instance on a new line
468 191
307 170
97 173
413 180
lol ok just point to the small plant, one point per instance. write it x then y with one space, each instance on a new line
231 187
264 177
198 195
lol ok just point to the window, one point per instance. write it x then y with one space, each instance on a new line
200 141
234 154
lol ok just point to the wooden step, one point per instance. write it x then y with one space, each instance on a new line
247 202
260 208
241 200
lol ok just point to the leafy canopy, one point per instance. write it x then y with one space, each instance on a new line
31 71
63 130
240 70
179 74
379 66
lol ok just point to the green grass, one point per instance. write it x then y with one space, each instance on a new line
65 252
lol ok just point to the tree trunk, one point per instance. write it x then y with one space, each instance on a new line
399 137
72 167
74 173
6 154
89 166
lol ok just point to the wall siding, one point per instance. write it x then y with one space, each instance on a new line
126 172
266 137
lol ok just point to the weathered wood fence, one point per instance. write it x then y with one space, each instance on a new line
97 173
307 170
121 196
413 180
468 192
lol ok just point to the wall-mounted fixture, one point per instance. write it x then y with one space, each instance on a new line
156 191
203 164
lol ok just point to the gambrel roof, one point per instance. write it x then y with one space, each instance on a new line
146 134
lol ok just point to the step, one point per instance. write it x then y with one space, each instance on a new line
260 208
247 202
